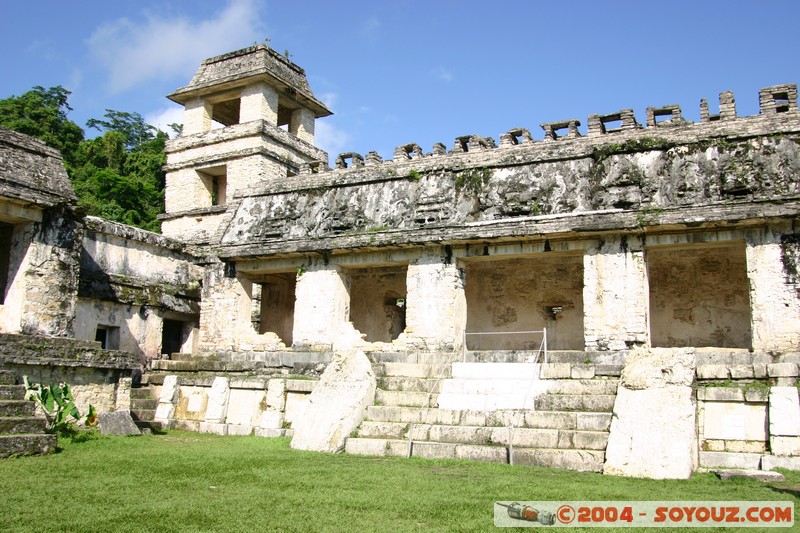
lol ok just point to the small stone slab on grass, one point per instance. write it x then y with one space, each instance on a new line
760 475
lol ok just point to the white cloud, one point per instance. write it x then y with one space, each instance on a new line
162 118
329 99
443 74
370 27
135 52
330 138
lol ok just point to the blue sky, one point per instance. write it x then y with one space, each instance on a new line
412 71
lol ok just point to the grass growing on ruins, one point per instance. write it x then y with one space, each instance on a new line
194 482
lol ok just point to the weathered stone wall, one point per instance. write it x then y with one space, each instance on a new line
132 280
231 405
93 374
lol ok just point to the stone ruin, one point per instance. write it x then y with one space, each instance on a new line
622 301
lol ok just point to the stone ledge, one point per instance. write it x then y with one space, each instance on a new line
771 462
18 349
746 461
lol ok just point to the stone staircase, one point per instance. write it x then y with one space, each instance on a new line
21 433
143 408
464 410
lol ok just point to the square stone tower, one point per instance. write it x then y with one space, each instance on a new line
266 111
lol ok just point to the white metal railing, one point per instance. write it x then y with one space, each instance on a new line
514 422
451 359
542 346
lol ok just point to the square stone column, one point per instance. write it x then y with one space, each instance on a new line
259 102
322 309
196 117
615 296
774 302
225 309
302 124
436 313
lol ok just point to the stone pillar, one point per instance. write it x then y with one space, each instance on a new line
615 296
322 309
123 395
51 269
302 124
272 417
259 102
196 117
165 411
225 308
436 313
774 301
784 421
217 409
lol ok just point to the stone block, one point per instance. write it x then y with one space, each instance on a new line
337 405
747 461
756 395
276 394
720 394
593 421
741 371
271 432
713 372
117 423
296 404
300 385
782 370
745 446
760 370
733 421
653 434
271 419
555 371
590 440
784 412
789 446
240 429
215 428
217 401
582 371
771 462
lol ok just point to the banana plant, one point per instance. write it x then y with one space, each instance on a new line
56 402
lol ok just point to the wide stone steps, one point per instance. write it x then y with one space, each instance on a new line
12 392
581 460
20 424
22 408
524 437
591 421
412 370
26 444
143 409
555 414
21 433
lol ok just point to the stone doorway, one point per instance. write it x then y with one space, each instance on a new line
378 301
699 296
525 294
274 310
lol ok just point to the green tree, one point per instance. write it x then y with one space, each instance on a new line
42 113
117 175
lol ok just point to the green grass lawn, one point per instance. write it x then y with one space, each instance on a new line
195 482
